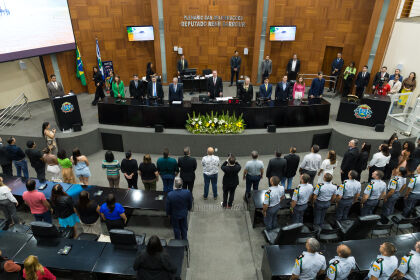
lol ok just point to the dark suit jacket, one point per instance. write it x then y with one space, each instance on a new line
179 65
289 66
362 82
178 203
159 90
187 166
4 156
283 95
337 64
292 164
235 63
266 93
177 95
231 178
350 160
378 78
214 89
244 95
276 167
362 161
135 92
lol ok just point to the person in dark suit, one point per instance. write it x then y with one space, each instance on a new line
362 80
178 203
55 89
380 77
187 166
317 88
292 165
362 160
397 72
231 169
266 89
181 65
99 83
277 167
293 68
5 160
149 71
176 92
214 86
235 67
336 67
246 91
350 159
283 90
135 88
155 90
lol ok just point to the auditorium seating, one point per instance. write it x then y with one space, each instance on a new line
403 223
329 234
88 236
181 243
359 228
126 237
284 236
47 230
381 229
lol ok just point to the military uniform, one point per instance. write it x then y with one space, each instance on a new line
340 268
396 184
414 196
383 267
410 266
346 191
301 195
272 198
374 190
324 192
308 265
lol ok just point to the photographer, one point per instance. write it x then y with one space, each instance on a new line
231 169
383 88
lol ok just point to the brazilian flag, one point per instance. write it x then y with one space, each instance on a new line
80 74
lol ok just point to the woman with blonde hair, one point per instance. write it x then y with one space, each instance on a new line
33 270
327 166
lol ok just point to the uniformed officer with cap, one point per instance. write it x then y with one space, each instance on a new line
412 194
301 196
374 192
347 194
341 266
410 265
385 264
395 185
310 263
271 206
324 194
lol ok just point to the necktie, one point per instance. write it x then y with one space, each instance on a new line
182 64
284 86
364 74
55 85
266 87
154 89
214 81
135 83
175 88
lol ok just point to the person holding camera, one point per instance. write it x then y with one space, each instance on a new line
231 169
383 87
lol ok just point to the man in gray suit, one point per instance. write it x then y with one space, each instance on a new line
266 67
55 88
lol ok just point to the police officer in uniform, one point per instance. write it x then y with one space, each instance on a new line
271 206
394 187
347 194
374 192
300 199
324 194
412 194
341 266
385 264
311 263
410 265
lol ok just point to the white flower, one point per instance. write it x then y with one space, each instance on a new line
199 122
193 123
215 120
209 121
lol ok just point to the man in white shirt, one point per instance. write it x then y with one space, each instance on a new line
55 89
410 265
310 263
341 266
311 163
210 170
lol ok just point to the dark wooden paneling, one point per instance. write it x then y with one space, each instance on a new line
320 23
209 47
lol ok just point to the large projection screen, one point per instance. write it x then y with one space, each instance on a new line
34 27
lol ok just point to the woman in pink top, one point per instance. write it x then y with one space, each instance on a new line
37 202
299 88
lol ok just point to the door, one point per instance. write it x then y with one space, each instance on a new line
329 55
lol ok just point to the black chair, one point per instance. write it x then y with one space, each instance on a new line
207 72
403 223
126 237
285 236
329 234
305 234
11 275
2 224
356 229
381 229
47 230
181 243
88 237
18 228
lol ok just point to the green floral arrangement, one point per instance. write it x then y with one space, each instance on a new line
215 123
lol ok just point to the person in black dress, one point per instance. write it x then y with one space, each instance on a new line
149 71
246 91
129 169
395 152
363 158
99 83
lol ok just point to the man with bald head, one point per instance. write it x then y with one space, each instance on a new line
410 265
350 159
341 266
210 164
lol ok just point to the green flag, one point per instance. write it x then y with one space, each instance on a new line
79 71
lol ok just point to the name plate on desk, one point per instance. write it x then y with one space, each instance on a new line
221 99
176 102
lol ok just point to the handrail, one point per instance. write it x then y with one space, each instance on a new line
330 79
16 110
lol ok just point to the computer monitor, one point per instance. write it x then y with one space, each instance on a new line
122 237
189 72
